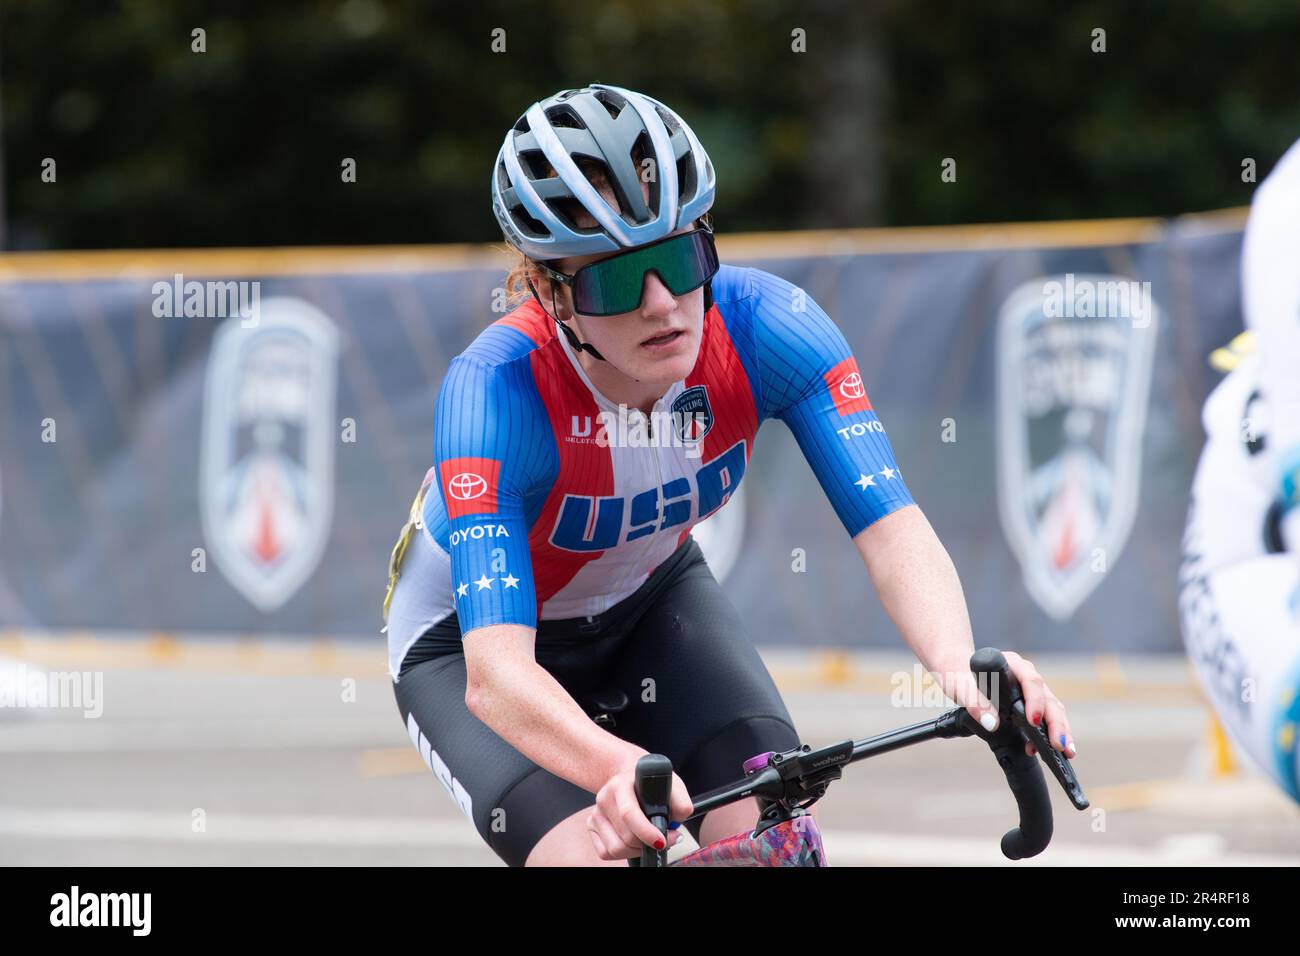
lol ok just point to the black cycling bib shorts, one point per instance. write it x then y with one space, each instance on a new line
698 693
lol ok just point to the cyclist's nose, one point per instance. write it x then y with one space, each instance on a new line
656 299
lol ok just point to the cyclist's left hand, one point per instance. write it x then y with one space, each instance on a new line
1040 702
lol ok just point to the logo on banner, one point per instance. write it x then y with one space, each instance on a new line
844 382
692 415
266 474
1073 387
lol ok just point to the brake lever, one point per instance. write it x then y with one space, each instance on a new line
991 661
1055 760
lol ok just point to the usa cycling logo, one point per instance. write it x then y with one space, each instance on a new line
587 523
692 414
266 469
1073 387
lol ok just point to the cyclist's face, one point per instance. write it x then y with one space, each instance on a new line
656 343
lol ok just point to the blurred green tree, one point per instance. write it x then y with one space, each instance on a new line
843 125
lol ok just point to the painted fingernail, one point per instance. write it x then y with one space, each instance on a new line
989 721
674 825
1072 748
659 844
1064 744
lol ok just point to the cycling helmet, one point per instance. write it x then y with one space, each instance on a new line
601 123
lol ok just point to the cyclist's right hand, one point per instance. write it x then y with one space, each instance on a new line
618 828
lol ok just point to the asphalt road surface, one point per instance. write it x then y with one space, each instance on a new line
262 752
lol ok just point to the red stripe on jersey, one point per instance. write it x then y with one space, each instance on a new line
586 468
846 388
531 320
719 369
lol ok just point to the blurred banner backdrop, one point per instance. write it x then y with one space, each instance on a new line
169 467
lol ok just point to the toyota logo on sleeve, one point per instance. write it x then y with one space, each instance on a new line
846 389
471 485
466 486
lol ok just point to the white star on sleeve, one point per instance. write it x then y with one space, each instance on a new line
888 473
510 581
864 480
462 590
484 583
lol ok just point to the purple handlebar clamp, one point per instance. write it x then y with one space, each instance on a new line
756 762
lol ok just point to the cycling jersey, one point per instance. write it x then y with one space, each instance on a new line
552 503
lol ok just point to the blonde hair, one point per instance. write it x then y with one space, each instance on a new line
516 285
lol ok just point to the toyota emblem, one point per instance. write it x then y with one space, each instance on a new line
851 387
466 486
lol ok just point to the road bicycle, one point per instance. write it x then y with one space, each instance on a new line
788 783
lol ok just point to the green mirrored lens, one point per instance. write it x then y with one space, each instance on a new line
614 285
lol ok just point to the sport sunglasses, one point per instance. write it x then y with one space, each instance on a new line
613 286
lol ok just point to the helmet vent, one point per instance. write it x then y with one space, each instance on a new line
611 101
686 184
527 224
669 120
564 210
565 116
535 162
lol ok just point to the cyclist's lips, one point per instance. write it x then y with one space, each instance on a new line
664 340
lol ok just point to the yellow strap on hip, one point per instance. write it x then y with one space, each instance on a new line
414 523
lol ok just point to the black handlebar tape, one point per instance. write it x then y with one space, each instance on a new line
654 784
1025 778
1024 775
989 660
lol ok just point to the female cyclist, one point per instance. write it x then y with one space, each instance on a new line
576 441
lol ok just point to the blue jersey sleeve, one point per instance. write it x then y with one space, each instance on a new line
493 451
809 379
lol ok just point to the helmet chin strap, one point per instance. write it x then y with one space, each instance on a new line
578 345
581 346
569 334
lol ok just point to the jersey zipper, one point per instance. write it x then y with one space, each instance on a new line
659 481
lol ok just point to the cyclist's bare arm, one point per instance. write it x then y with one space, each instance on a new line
514 695
919 588
519 699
